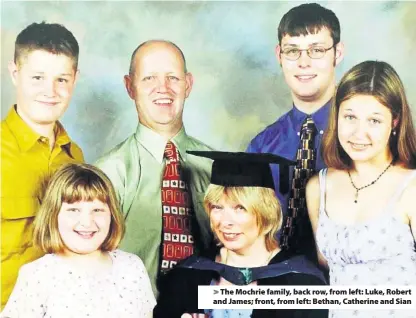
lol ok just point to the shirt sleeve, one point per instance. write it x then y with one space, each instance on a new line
252 147
26 298
256 143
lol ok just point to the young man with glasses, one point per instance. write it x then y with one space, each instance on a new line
309 49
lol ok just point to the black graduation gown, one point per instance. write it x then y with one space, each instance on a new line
179 290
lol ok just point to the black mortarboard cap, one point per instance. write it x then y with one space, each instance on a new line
242 169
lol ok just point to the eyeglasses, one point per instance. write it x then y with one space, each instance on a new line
314 52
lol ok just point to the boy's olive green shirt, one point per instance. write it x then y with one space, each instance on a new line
136 167
26 163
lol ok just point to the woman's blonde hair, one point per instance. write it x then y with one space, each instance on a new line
259 201
71 183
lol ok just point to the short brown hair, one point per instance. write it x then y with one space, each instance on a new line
380 80
71 183
309 18
50 37
259 201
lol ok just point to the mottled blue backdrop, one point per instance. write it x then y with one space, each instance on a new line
229 46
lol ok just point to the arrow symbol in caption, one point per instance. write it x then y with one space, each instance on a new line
216 292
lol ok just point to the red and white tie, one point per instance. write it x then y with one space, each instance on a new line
177 212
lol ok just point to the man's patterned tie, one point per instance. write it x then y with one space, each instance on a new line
296 226
177 212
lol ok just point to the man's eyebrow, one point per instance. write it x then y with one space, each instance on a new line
37 72
297 45
315 43
42 73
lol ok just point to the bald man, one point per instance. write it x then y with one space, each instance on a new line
160 187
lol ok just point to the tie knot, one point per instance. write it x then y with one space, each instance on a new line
171 153
308 127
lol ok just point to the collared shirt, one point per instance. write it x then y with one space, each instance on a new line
26 163
282 138
136 168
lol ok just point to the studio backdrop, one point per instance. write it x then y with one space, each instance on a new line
229 46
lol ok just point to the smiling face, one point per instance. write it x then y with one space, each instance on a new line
364 128
44 82
159 86
310 80
235 227
84 225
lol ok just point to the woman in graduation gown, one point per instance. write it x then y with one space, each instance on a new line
245 216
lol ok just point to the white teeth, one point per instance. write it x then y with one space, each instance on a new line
164 101
85 234
230 235
305 76
358 146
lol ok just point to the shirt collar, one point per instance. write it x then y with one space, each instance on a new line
62 137
320 117
26 137
155 144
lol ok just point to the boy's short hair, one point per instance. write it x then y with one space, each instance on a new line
309 18
71 183
50 37
259 201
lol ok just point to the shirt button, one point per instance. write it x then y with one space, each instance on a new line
43 139
321 132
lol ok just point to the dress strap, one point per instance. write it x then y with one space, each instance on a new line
322 187
407 180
